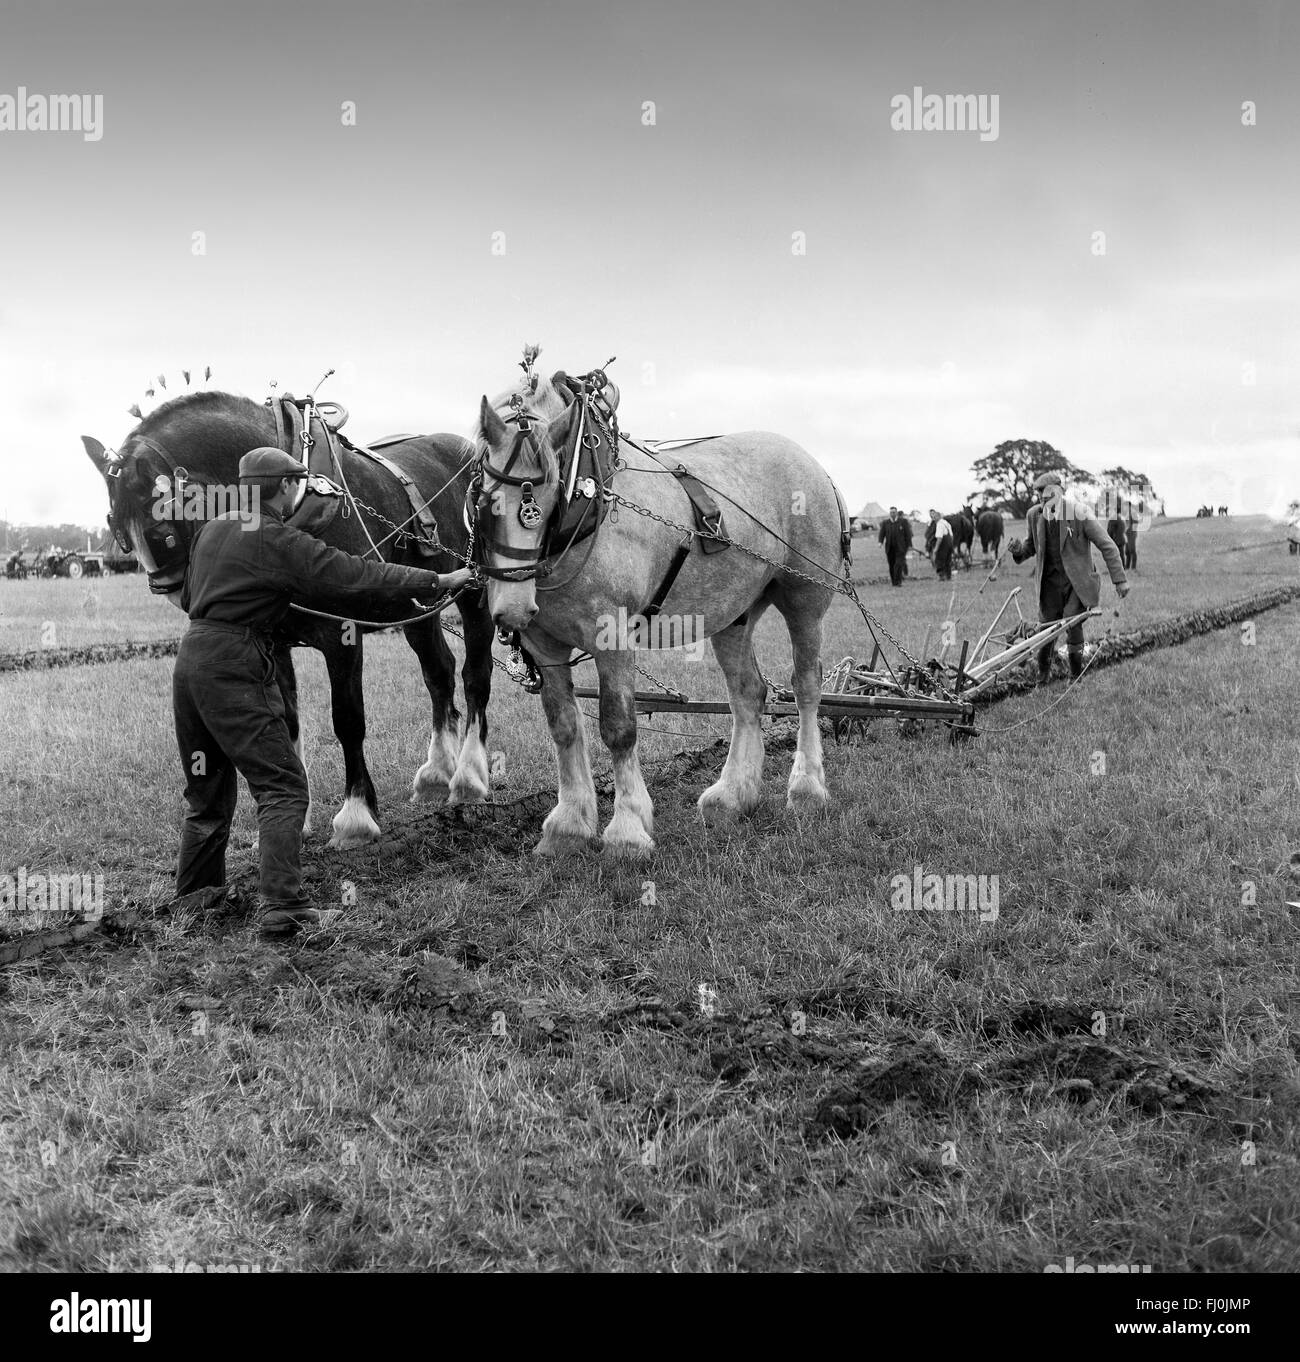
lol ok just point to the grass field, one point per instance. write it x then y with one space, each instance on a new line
740 1054
55 612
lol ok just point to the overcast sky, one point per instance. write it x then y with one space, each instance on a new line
951 294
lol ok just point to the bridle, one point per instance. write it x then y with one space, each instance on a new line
164 536
581 503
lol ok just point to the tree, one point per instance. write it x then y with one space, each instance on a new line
988 498
1009 472
1129 486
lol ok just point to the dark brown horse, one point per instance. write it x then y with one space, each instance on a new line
990 526
196 441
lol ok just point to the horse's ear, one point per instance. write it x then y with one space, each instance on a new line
96 452
490 425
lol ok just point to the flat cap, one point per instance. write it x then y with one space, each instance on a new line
1048 480
267 462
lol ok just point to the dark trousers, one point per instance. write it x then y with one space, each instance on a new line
1059 600
943 557
897 559
1131 550
230 719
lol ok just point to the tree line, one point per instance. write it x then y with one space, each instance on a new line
1007 476
63 536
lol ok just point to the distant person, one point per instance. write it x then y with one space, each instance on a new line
1131 542
1061 533
939 540
1118 531
896 536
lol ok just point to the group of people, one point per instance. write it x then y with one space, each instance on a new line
896 535
1061 535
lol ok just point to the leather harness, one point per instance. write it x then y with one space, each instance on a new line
708 522
320 452
580 513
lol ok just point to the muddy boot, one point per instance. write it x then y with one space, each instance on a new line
1076 663
283 922
1044 665
284 907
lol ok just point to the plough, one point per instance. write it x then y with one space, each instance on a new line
855 692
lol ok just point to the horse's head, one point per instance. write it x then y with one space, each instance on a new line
518 495
144 511
190 443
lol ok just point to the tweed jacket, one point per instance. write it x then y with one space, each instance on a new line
1079 531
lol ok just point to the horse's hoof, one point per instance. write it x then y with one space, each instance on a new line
807 794
719 804
467 789
570 821
428 786
354 826
351 843
627 842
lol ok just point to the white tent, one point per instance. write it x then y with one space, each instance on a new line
868 518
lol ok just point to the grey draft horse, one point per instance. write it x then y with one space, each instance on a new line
558 594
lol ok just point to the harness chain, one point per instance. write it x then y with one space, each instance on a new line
840 589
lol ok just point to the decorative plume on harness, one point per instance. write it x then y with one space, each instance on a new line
157 393
526 364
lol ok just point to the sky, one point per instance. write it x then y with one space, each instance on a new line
714 193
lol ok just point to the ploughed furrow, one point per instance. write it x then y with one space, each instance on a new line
1161 634
87 654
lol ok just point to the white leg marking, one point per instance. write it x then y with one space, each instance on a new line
572 822
630 830
471 783
807 787
433 779
354 825
739 789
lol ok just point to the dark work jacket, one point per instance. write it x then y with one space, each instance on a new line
248 573
896 535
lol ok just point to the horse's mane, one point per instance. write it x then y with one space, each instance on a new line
205 397
546 400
